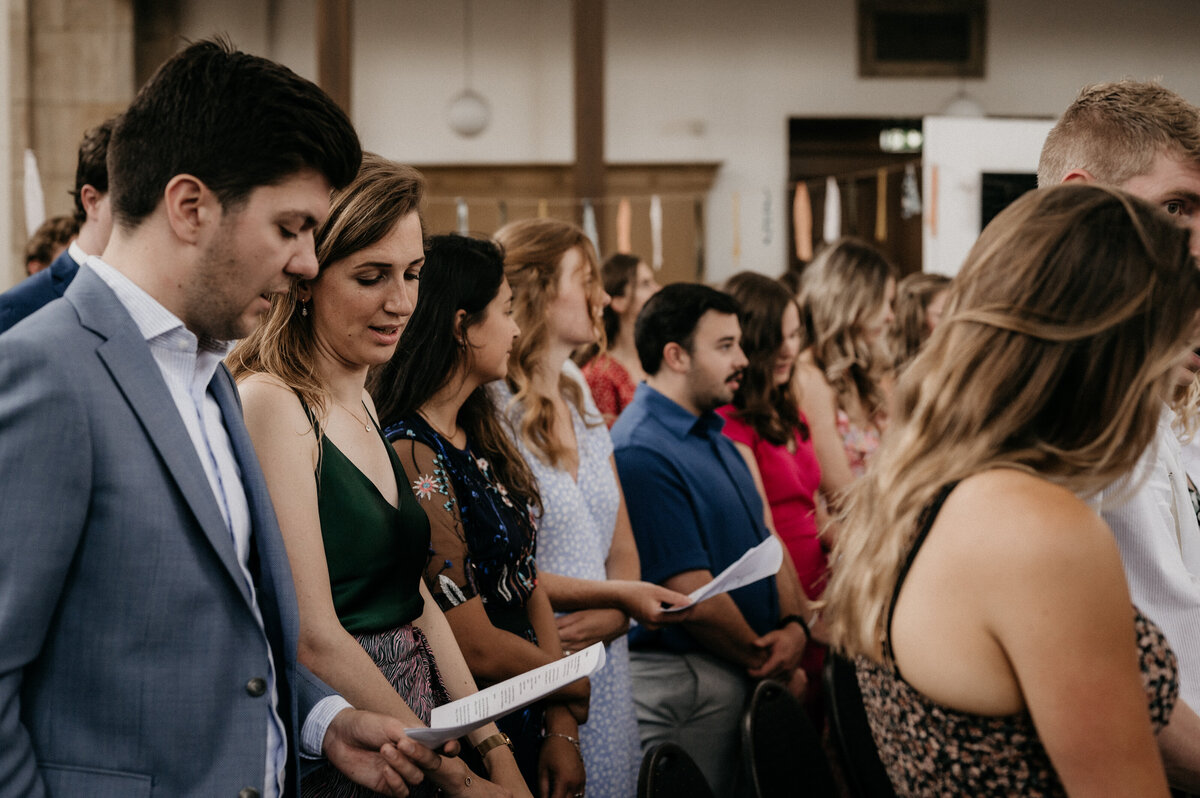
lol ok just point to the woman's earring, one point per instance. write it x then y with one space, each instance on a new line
303 309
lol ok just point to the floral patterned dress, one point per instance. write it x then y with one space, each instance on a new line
481 545
575 534
931 749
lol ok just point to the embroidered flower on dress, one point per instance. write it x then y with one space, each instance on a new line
424 486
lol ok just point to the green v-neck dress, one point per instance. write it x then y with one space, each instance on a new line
376 554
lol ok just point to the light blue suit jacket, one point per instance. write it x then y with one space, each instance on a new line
129 652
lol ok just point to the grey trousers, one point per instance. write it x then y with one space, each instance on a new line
695 701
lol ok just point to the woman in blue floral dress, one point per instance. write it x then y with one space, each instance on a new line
479 496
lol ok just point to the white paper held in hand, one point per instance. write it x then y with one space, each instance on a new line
759 562
453 720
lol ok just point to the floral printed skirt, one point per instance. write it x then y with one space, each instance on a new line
404 656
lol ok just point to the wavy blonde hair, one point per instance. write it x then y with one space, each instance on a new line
533 252
839 292
1061 332
913 296
361 214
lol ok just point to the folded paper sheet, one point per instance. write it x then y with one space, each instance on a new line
453 720
758 563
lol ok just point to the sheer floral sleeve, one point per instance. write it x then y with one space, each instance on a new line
447 572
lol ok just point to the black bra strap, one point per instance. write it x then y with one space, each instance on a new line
924 524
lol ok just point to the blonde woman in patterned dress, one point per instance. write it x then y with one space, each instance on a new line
985 603
587 558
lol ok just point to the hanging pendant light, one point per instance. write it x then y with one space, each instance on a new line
468 113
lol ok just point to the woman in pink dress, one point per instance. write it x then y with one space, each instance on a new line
768 428
613 373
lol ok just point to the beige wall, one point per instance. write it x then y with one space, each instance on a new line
687 80
70 67
699 80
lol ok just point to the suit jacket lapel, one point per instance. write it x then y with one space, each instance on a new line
136 374
275 587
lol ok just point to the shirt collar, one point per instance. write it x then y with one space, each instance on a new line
676 418
156 323
76 252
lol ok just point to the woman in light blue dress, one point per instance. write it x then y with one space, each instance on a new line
587 559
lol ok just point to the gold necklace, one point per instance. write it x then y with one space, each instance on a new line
366 424
438 429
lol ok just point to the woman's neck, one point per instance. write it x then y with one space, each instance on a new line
544 379
441 409
345 383
624 351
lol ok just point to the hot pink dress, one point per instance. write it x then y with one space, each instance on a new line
791 481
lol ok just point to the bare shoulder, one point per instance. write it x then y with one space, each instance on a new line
814 387
1034 526
271 407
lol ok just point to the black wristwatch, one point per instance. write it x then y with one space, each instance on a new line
796 619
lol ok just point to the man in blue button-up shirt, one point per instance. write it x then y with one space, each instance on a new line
695 509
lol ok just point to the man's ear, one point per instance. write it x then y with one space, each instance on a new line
676 358
1079 175
90 197
191 208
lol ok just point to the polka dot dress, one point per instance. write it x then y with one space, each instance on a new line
573 539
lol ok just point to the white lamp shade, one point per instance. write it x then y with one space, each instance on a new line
468 114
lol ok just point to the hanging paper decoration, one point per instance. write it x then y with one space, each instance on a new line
624 226
35 199
910 194
737 229
766 221
589 224
881 197
502 213
802 221
931 211
850 219
833 211
543 209
656 231
464 226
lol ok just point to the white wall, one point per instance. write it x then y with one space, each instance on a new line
698 80
960 150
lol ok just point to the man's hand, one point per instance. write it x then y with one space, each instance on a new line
373 750
784 648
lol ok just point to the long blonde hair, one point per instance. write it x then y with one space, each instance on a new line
533 252
1058 343
914 294
360 215
839 291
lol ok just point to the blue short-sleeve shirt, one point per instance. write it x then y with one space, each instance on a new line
693 505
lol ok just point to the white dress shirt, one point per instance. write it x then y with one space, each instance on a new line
1156 529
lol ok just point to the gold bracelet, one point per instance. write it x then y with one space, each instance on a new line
572 740
495 741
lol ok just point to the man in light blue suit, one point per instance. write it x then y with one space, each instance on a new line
148 624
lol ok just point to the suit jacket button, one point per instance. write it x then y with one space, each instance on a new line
248 792
256 687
